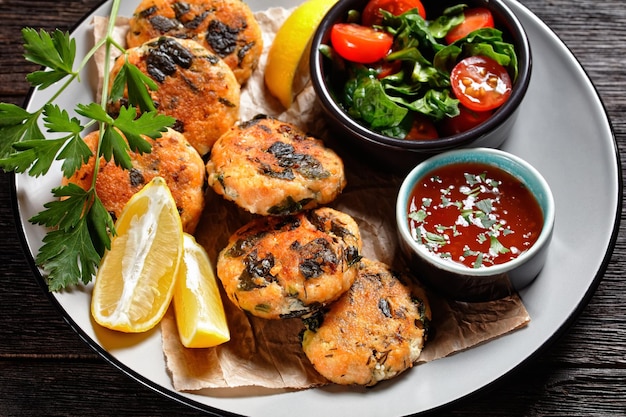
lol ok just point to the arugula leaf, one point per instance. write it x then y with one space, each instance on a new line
451 17
436 104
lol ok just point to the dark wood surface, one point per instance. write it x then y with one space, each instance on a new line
46 369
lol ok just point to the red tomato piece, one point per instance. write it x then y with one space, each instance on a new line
360 44
476 18
422 129
480 83
466 120
372 16
386 68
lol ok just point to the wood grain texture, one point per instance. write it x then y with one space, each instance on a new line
46 369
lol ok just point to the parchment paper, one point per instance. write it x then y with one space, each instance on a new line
267 353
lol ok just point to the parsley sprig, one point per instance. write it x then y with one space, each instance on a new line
80 228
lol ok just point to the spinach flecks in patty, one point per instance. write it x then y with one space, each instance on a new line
288 206
242 246
257 272
317 257
136 177
288 159
147 12
163 24
164 55
222 38
180 8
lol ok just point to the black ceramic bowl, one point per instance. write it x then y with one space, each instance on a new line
400 153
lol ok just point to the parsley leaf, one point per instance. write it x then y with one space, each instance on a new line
68 257
149 124
16 124
418 215
496 246
56 52
70 253
37 155
80 227
137 93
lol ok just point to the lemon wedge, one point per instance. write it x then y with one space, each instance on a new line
135 280
198 304
289 47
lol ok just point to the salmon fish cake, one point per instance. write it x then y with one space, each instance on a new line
194 86
270 167
373 332
228 28
171 158
283 267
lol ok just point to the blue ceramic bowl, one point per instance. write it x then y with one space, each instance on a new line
400 154
453 279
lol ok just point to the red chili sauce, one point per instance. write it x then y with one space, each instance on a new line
474 214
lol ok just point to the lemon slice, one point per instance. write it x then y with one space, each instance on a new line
197 302
135 281
290 45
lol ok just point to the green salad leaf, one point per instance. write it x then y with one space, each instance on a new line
422 84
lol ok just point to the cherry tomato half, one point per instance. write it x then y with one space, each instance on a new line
476 18
372 16
422 129
480 83
466 120
386 68
361 44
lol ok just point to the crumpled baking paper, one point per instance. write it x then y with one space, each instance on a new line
267 353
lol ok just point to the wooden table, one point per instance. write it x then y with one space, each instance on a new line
46 369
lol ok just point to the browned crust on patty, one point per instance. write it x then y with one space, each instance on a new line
281 267
228 28
194 86
171 158
375 331
270 167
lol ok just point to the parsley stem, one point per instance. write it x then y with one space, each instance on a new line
80 225
108 41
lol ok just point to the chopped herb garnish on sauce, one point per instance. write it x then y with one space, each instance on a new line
474 214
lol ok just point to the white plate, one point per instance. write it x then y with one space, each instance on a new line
563 130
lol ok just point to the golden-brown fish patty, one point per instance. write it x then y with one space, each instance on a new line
194 86
282 267
171 158
375 331
270 167
228 28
